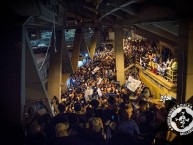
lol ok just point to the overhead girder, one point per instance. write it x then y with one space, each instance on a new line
171 28
150 14
118 8
153 36
151 28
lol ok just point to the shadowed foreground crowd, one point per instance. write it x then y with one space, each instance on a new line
97 110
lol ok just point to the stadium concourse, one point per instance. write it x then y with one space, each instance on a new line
97 110
131 53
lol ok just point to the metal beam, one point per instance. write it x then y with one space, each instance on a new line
116 15
127 10
158 31
155 35
85 48
131 12
150 14
118 8
166 27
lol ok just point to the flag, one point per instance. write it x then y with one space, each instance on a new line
133 84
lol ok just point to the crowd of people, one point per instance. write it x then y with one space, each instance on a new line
97 110
149 56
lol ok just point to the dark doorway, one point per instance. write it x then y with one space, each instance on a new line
165 54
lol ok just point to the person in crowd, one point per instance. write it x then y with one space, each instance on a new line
95 104
126 124
60 122
47 128
127 129
145 121
111 110
174 65
54 104
94 127
163 134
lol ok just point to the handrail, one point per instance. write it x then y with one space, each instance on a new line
157 78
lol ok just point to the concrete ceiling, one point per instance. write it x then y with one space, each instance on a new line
160 17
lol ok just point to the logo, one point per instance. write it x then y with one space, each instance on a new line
180 119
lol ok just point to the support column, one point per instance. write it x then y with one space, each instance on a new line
93 43
12 74
76 48
66 67
118 44
85 48
64 81
189 74
55 68
66 59
185 65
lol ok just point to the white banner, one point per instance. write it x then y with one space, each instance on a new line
99 80
88 93
133 84
95 69
99 92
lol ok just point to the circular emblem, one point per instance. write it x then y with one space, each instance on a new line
180 119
